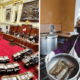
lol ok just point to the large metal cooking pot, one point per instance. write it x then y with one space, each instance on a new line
70 60
47 43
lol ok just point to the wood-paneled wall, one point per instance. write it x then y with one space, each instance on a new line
30 31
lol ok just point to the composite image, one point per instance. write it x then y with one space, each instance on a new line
19 39
39 39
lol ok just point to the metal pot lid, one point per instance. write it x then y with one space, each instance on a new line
46 35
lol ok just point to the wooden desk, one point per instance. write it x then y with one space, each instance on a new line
1 33
21 41
8 37
34 46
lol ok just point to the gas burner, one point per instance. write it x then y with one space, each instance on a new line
43 72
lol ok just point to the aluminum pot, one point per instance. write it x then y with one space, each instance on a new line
70 60
47 43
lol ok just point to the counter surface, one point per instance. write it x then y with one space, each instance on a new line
64 34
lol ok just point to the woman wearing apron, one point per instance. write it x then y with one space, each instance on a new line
73 44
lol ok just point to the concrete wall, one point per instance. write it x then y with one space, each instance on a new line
68 15
58 12
51 11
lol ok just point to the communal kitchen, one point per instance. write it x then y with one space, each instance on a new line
60 40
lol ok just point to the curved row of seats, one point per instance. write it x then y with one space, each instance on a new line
20 55
9 68
30 60
4 59
29 30
26 39
23 55
24 76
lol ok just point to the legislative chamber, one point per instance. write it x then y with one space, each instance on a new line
19 39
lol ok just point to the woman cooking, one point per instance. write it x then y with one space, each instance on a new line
72 44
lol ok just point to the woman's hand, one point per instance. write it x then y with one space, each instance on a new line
49 56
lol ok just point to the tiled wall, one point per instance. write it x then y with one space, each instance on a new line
46 27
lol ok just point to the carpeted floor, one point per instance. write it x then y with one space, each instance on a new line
7 50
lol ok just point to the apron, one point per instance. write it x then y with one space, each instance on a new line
73 52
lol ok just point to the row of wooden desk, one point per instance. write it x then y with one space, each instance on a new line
1 33
24 76
21 42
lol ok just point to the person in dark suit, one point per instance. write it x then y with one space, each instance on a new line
13 33
23 35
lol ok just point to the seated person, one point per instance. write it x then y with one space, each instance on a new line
35 37
18 35
23 36
13 33
7 32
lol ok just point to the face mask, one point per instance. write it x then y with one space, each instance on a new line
78 29
78 24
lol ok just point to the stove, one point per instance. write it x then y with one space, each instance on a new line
43 73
